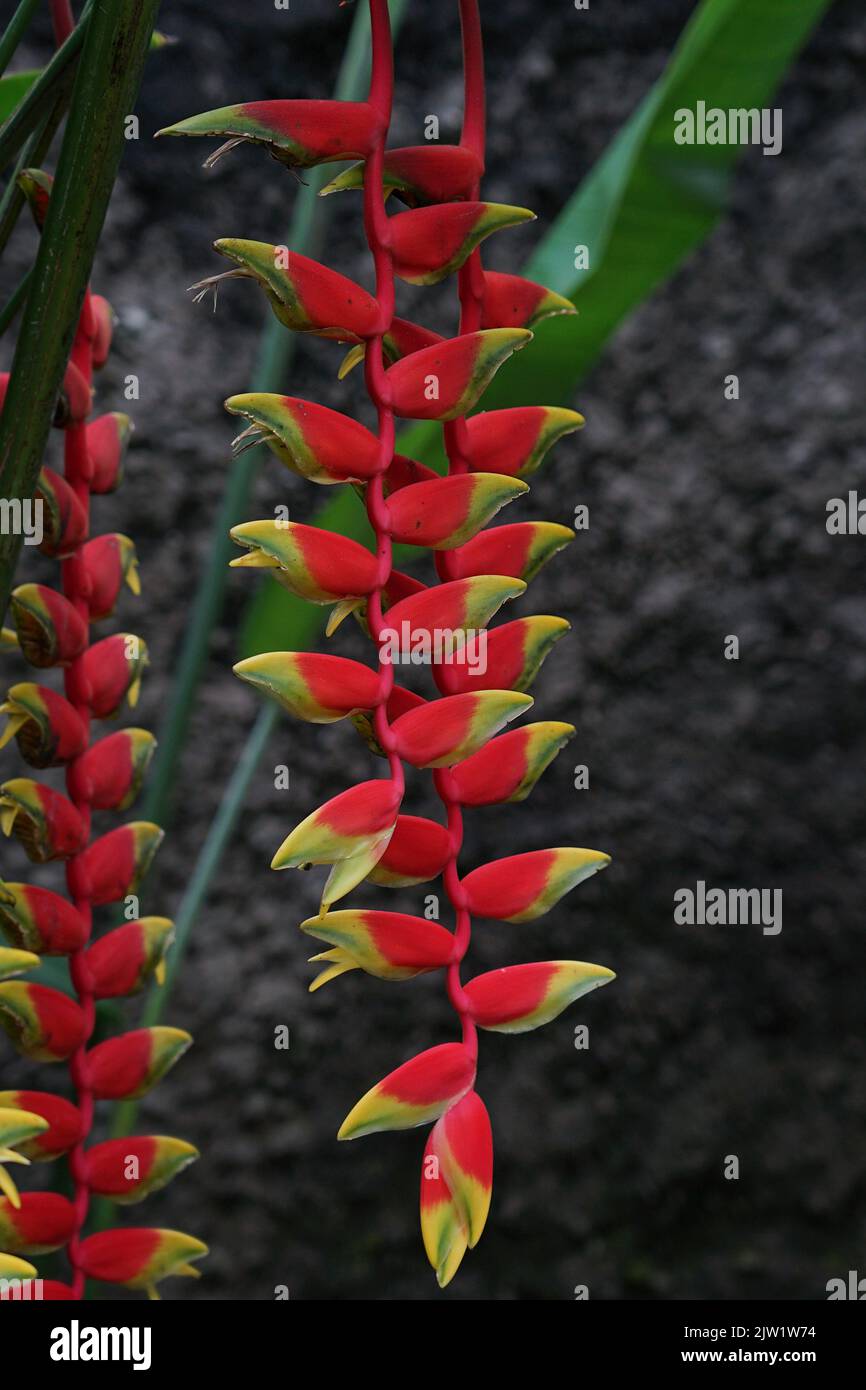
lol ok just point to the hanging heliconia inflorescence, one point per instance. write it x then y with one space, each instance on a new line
415 374
53 730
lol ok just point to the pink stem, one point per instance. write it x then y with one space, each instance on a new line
378 233
62 20
471 290
76 467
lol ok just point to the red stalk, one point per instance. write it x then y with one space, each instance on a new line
76 471
471 290
379 241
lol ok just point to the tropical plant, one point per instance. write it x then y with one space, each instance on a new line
415 374
53 730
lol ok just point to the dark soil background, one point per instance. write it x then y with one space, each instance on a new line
707 519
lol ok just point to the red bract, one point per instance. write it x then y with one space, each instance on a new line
46 725
64 1123
64 517
38 920
107 438
298 133
54 730
482 677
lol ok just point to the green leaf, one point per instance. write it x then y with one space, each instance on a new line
641 210
13 88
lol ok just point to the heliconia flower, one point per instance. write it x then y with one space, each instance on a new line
442 1230
64 521
297 133
109 775
321 445
128 1066
443 732
11 1267
50 631
122 961
46 726
419 174
401 339
454 607
462 1141
519 998
36 186
447 512
515 441
389 945
305 296
319 566
42 1023
107 563
515 652
44 821
128 1170
17 1127
139 1257
350 832
8 639
103 319
417 1092
508 768
512 302
44 1222
430 243
445 381
75 399
318 688
525 886
63 1123
519 550
107 440
417 851
114 865
36 919
110 671
15 962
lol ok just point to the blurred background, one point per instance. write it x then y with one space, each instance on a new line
707 518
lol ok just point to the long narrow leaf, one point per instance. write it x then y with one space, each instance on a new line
16 29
